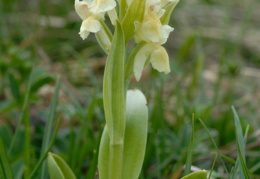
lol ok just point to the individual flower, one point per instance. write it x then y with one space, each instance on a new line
92 12
151 29
156 54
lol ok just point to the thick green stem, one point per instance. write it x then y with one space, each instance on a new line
116 159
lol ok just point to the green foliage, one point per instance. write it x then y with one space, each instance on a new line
197 175
135 12
49 124
58 169
134 139
5 167
168 11
114 100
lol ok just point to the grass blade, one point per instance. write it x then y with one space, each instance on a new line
4 162
190 150
215 145
38 165
48 129
241 143
25 105
239 134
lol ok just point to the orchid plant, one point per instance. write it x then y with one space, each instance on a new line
123 142
122 146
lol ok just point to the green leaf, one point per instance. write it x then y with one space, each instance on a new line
189 156
6 106
240 138
123 7
14 87
5 166
23 114
38 165
214 144
48 128
135 134
134 140
103 156
58 168
114 100
197 175
134 13
168 11
113 87
241 143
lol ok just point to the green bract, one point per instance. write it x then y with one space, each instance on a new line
58 168
134 13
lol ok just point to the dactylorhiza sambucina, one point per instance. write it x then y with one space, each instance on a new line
151 30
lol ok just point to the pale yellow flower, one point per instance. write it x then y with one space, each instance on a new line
151 29
92 12
90 24
156 54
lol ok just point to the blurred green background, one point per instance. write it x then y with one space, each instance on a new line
215 63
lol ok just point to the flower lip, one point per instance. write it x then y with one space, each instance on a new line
89 25
156 54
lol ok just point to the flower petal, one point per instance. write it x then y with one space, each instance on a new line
166 30
99 6
82 8
89 25
112 15
140 60
151 29
160 59
104 38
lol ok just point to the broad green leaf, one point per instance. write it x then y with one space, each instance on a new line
197 175
168 11
134 140
135 134
5 166
113 87
134 13
58 168
114 100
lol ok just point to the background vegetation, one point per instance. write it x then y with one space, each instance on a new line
215 62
